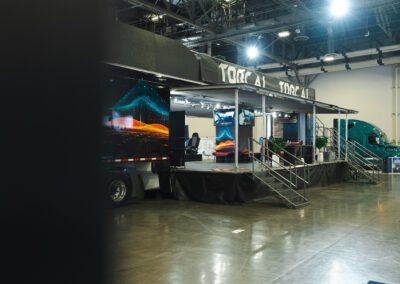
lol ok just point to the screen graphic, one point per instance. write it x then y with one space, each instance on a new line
135 120
246 117
224 117
225 138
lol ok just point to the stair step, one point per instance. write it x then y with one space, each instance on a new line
286 192
268 179
300 205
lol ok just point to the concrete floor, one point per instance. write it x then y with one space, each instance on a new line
349 234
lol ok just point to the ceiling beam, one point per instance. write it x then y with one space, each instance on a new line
149 6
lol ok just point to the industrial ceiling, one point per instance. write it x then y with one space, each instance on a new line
369 32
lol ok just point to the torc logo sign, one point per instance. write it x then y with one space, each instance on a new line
236 75
291 89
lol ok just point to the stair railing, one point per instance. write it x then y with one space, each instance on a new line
266 163
272 172
292 169
306 167
358 160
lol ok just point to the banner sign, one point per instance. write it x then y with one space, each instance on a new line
221 72
395 165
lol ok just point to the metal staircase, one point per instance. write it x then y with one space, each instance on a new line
363 163
281 179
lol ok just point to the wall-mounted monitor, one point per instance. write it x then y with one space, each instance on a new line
224 117
246 117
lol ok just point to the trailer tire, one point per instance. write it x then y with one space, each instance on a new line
118 190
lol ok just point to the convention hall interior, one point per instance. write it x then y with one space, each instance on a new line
206 141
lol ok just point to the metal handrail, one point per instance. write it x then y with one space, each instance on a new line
290 168
299 160
361 148
374 175
266 165
359 160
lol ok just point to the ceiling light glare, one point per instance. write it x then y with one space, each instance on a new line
252 52
274 114
284 34
339 8
218 106
329 58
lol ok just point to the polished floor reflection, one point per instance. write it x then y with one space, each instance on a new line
349 234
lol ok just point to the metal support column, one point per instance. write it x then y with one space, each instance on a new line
264 118
236 129
264 125
313 132
396 111
338 135
347 133
209 48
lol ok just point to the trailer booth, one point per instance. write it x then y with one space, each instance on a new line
145 122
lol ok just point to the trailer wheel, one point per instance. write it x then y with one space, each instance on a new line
118 190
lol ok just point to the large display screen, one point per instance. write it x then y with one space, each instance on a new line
224 117
225 138
135 119
246 117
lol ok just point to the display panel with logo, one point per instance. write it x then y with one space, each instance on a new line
246 117
224 117
135 119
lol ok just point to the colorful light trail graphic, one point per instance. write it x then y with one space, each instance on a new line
225 134
133 125
226 146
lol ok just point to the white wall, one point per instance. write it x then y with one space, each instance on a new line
204 126
370 91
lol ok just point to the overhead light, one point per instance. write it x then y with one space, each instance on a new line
329 57
252 52
274 114
339 8
218 106
284 34
156 18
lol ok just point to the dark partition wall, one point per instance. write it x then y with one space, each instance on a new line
177 138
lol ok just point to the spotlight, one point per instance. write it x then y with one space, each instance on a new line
252 52
284 34
329 58
339 8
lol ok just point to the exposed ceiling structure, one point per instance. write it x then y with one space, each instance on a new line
314 40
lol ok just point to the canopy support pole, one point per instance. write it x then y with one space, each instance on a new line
347 133
236 129
313 131
338 136
264 118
